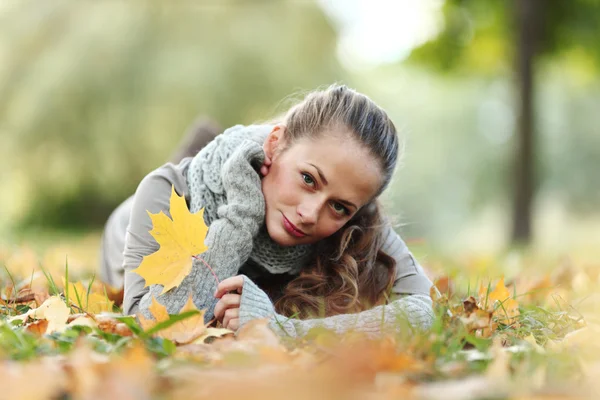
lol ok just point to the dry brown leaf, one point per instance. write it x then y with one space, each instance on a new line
37 327
445 285
470 305
214 333
40 298
109 324
478 319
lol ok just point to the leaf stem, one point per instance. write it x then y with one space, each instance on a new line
211 270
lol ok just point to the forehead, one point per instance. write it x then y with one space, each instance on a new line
352 172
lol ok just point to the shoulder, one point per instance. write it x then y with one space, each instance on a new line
165 176
410 278
154 191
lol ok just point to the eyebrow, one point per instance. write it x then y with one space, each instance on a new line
322 176
320 173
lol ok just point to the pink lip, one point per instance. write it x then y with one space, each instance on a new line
291 228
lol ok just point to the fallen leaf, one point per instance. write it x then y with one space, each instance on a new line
107 377
40 379
37 327
181 332
55 311
214 333
83 321
108 323
180 239
445 285
470 305
500 293
113 293
508 312
94 303
478 319
258 331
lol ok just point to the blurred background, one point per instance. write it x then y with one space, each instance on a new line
498 103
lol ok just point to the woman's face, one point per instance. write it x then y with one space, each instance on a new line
313 187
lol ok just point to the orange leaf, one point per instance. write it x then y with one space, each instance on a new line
508 312
500 293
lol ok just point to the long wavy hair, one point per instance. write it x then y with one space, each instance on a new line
350 272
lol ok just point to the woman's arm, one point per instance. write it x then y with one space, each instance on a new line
415 309
410 303
229 237
152 195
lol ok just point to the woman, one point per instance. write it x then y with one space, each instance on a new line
295 228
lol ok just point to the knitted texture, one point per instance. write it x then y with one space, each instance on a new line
416 310
205 180
223 179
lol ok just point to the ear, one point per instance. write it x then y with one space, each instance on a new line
274 141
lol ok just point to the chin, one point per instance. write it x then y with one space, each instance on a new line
281 237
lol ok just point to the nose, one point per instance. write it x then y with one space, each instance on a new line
308 211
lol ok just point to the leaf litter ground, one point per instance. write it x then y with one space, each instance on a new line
531 336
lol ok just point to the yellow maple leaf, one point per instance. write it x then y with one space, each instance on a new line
508 312
180 239
499 301
500 293
487 300
94 303
181 332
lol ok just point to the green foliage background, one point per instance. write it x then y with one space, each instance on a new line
94 95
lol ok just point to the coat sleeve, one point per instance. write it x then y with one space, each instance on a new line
409 312
410 276
411 305
152 195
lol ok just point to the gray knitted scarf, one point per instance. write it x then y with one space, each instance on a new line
206 190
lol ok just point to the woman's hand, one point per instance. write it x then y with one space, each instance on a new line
227 310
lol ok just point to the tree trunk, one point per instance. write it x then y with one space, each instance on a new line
528 18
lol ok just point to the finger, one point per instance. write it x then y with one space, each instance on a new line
228 300
233 324
230 284
230 314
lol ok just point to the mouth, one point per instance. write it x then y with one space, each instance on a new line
291 228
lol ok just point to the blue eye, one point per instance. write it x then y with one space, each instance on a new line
308 179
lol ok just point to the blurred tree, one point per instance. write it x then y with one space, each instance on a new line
94 95
493 37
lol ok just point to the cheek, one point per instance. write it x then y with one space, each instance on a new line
329 226
279 187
